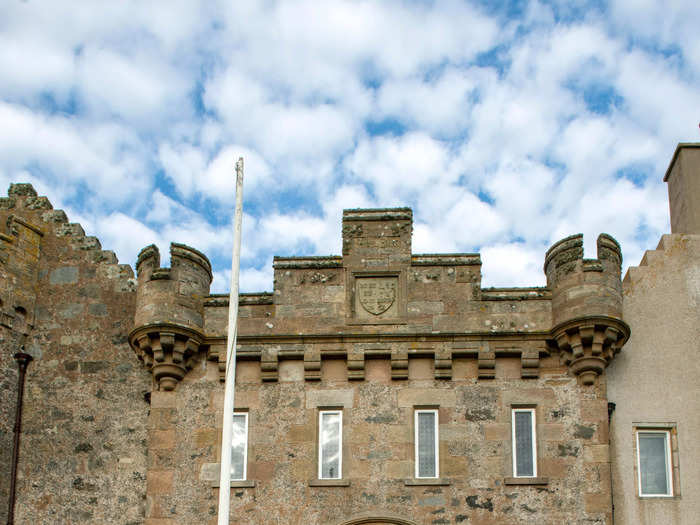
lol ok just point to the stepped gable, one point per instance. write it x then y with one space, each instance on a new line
31 211
28 220
670 245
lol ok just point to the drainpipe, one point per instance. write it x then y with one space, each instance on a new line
22 362
611 409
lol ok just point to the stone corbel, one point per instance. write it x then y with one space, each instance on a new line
167 351
588 344
312 365
443 364
530 363
356 366
486 362
399 364
269 365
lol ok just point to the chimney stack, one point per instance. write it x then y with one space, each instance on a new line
683 178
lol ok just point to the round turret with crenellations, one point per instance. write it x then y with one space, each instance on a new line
586 304
169 319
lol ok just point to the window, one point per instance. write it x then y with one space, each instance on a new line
654 463
426 443
239 446
524 443
330 444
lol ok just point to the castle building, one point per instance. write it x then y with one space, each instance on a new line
376 387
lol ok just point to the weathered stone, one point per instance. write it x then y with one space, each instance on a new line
133 432
64 275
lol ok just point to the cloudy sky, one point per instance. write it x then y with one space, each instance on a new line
504 125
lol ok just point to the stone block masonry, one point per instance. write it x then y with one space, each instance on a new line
124 399
84 448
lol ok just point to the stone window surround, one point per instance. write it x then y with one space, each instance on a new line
343 481
415 481
214 467
523 480
673 467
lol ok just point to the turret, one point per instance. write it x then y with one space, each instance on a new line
586 304
169 317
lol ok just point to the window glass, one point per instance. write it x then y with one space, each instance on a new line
654 475
330 430
426 444
239 446
524 447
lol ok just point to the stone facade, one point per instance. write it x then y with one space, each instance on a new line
84 435
123 402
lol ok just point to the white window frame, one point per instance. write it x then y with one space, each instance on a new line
245 448
669 463
533 421
321 413
416 461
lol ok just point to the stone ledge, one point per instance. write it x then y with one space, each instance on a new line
431 482
526 481
237 484
329 483
306 263
445 259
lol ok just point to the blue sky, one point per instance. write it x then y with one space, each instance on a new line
505 126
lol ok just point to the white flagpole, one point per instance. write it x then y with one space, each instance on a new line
226 433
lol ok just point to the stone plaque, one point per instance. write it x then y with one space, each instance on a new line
375 296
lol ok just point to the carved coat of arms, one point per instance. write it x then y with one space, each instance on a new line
376 295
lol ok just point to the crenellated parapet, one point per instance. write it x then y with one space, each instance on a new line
586 304
169 319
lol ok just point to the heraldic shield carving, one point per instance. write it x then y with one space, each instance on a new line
376 294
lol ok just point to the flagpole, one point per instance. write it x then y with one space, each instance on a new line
227 430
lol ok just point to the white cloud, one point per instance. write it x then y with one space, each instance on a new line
440 106
133 114
112 229
400 168
105 158
512 264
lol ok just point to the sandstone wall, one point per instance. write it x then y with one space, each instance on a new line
83 453
475 446
379 332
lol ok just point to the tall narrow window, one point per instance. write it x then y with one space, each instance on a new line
524 443
426 443
330 446
239 446
654 463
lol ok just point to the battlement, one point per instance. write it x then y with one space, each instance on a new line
377 237
566 256
148 262
169 319
175 294
587 324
